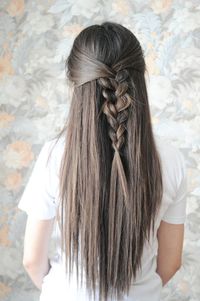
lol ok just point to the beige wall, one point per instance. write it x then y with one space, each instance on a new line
35 38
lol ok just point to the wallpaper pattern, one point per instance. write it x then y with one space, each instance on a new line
35 38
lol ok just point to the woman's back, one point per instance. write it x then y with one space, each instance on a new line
114 184
40 199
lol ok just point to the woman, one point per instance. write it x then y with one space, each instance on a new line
115 192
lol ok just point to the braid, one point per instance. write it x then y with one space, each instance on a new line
115 107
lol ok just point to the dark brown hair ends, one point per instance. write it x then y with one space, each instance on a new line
110 176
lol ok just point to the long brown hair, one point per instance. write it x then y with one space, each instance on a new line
110 175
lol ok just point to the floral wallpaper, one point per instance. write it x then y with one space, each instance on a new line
35 38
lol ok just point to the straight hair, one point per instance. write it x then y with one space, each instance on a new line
110 174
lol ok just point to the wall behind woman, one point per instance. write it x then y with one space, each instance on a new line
35 39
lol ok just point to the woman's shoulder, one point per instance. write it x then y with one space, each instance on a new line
53 150
172 161
169 152
167 149
55 144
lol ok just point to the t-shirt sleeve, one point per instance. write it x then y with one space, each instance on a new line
176 212
38 198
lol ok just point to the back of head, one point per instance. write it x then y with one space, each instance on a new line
110 176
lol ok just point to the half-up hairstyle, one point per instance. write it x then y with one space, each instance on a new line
110 175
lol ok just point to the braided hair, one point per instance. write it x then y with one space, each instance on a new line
115 107
110 174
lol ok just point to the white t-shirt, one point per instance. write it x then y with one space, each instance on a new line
40 200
